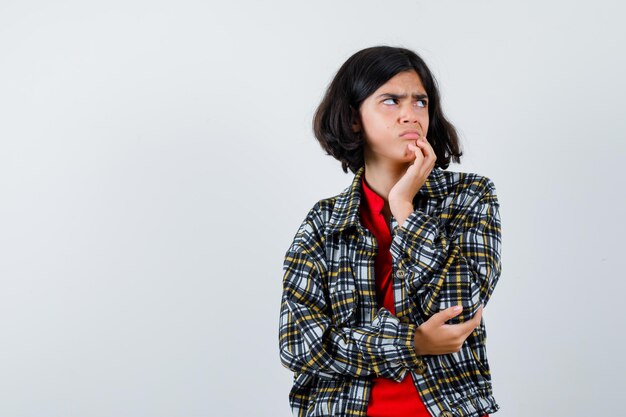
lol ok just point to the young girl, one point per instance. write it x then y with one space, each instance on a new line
368 318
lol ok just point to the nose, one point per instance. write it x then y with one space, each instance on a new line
409 113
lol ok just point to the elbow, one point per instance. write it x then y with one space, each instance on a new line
492 280
295 363
288 360
300 359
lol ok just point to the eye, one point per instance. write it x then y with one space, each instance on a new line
392 99
424 103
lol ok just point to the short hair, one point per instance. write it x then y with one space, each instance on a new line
359 77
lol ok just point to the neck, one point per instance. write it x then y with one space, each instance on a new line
381 177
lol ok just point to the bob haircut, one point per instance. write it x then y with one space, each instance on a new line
359 77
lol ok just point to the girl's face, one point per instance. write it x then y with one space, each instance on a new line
398 106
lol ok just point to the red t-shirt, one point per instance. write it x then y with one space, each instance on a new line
388 398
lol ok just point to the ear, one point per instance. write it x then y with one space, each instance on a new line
356 120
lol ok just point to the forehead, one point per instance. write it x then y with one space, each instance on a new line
405 82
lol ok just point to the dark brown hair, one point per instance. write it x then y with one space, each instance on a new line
359 77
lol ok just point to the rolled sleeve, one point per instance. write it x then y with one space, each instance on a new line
444 271
311 343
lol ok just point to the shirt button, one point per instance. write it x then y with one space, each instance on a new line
420 368
400 274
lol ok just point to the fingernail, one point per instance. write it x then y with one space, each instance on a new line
456 308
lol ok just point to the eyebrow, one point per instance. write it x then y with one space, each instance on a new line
419 96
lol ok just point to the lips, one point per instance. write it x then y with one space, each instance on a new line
411 134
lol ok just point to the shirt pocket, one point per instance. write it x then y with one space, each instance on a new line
343 293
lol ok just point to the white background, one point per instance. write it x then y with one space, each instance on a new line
156 159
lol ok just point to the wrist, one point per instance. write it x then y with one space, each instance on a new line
417 343
401 210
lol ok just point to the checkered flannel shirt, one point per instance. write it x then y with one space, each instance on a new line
332 334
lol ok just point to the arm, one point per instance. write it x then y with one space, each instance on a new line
448 271
310 342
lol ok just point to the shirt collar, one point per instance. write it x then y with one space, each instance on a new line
346 209
373 202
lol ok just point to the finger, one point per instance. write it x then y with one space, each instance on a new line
475 320
428 150
423 142
418 156
468 327
425 147
443 316
415 150
419 146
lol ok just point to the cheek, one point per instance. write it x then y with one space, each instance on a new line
425 124
377 124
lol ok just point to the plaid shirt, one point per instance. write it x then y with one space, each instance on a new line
332 334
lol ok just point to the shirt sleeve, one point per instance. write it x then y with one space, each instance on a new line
311 342
444 271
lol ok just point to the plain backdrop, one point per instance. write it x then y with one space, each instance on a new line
156 159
